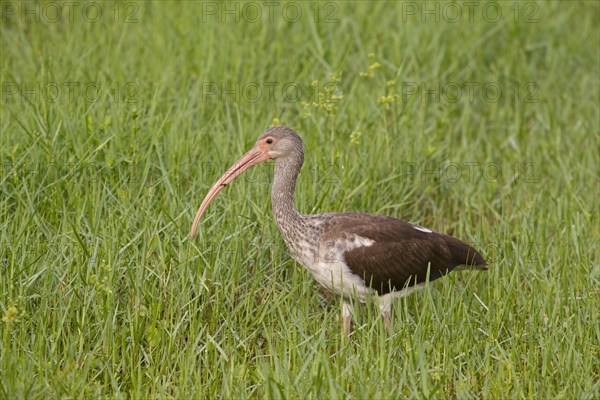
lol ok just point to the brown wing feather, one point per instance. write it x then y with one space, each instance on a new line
401 255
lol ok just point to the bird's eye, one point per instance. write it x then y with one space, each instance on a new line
269 141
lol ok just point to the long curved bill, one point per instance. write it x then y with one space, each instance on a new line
255 156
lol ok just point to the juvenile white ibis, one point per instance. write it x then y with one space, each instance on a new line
354 255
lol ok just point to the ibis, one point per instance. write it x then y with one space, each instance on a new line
354 255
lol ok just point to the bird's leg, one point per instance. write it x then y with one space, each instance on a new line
386 311
347 318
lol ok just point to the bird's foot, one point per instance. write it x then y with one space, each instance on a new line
388 323
386 313
347 318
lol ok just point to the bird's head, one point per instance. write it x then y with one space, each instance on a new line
278 143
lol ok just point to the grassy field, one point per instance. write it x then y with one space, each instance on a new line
116 118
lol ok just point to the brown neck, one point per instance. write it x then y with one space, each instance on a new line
282 193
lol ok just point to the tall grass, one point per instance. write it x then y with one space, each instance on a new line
103 295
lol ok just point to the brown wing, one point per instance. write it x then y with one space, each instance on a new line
401 254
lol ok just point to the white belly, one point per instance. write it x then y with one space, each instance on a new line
338 278
329 268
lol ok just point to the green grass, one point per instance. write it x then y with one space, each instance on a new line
103 295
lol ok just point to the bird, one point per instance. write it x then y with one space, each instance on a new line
356 256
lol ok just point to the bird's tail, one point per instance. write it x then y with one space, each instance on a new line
465 256
480 267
